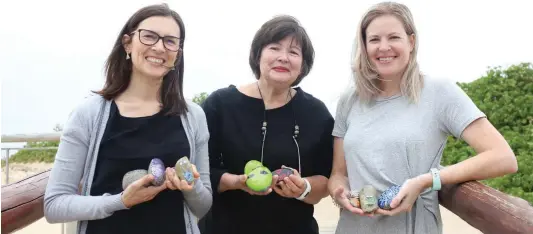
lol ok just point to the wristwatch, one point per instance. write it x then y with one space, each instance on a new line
307 190
435 173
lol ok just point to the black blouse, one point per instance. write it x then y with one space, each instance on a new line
234 122
129 144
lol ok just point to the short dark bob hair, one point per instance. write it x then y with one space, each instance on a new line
276 30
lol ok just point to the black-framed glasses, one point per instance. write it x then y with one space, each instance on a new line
149 38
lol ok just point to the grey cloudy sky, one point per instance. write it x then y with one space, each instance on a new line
52 52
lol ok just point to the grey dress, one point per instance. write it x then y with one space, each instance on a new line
392 140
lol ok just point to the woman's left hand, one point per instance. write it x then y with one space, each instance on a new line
173 182
403 202
292 186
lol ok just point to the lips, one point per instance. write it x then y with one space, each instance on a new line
280 69
386 59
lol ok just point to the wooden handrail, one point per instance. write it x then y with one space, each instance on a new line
483 207
487 209
23 202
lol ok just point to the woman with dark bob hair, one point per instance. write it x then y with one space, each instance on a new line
276 125
114 169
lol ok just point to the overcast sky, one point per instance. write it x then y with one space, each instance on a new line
52 52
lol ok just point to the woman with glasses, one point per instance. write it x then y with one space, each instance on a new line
114 169
279 126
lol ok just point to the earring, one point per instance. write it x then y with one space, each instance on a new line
127 56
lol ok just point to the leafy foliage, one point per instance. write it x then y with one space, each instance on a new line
199 98
506 97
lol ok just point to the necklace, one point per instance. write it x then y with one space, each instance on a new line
265 123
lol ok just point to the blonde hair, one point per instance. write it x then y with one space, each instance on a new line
366 75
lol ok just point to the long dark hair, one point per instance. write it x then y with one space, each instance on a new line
118 69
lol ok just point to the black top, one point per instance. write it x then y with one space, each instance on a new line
129 144
234 122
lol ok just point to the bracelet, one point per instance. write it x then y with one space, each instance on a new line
307 190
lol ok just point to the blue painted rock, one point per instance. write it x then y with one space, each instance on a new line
259 179
157 169
184 170
251 165
386 197
282 173
132 176
368 199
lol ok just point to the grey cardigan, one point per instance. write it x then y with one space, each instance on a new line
67 197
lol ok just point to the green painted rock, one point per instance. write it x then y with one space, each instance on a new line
259 179
184 170
368 198
251 165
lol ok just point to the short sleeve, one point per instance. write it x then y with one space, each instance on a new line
344 105
456 109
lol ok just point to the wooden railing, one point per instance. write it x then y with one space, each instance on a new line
483 207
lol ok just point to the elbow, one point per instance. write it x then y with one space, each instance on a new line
47 211
511 162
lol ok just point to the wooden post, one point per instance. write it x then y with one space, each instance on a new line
487 209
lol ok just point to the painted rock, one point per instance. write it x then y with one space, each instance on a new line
368 198
157 169
386 197
353 197
251 165
259 179
184 170
282 173
132 176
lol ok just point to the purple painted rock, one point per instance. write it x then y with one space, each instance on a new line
157 169
282 173
132 176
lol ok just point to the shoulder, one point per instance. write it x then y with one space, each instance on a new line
195 110
219 97
312 104
89 107
439 84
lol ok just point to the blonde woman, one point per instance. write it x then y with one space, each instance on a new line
392 127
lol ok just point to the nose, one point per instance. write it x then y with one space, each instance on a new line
158 46
283 57
384 45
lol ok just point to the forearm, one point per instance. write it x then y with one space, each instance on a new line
319 189
199 199
337 180
225 182
489 164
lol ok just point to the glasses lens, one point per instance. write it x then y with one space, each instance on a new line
148 38
172 43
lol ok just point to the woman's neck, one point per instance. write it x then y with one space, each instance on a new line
141 88
389 86
273 96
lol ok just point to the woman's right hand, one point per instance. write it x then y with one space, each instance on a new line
340 196
141 191
234 182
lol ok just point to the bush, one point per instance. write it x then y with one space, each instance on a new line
506 97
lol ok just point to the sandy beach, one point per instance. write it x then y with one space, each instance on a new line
325 212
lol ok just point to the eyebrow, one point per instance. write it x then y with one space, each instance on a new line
390 34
